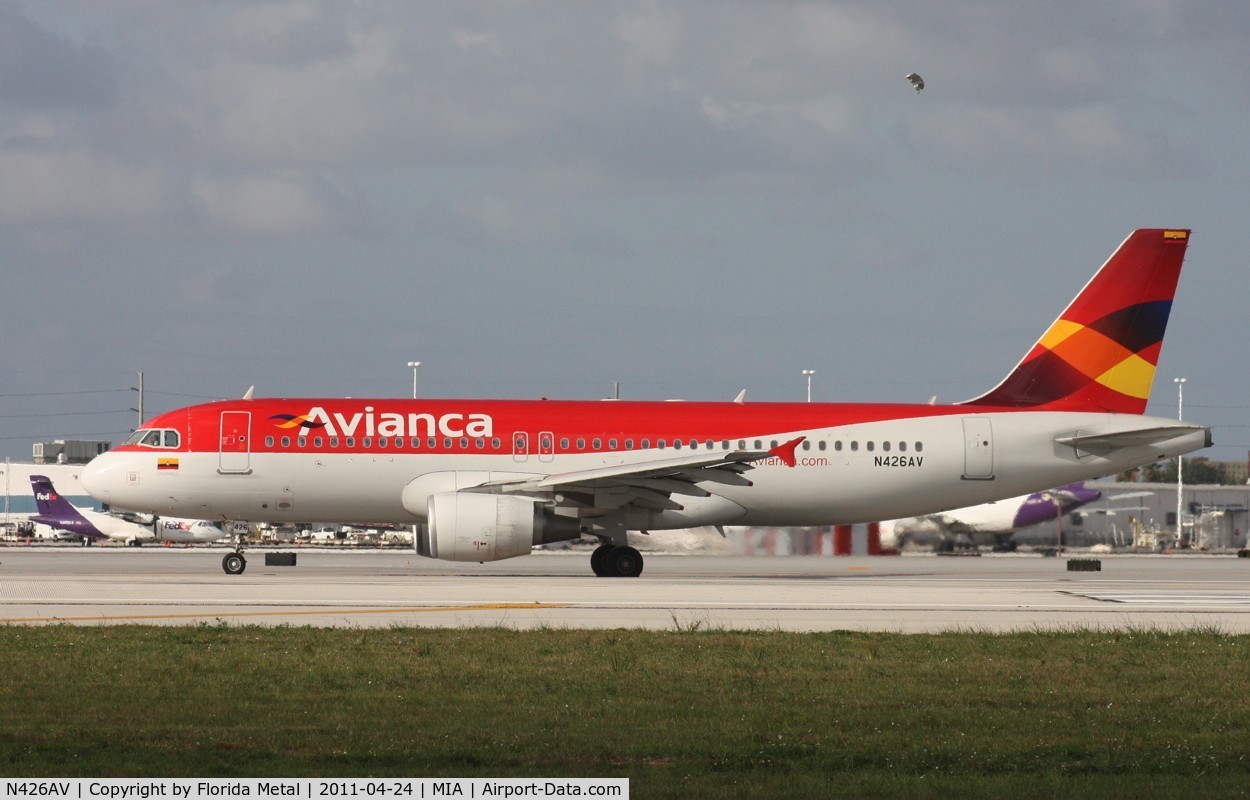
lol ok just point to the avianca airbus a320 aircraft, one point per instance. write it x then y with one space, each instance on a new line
490 479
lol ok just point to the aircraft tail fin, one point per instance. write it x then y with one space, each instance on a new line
1100 355
52 506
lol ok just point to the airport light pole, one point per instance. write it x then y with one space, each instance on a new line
1053 497
414 365
1180 481
139 389
809 373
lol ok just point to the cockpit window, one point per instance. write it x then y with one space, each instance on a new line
165 438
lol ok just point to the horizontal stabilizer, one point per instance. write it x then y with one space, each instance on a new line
1141 437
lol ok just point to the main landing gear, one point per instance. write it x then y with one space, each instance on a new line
613 561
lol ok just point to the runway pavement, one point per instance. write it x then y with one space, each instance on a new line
180 586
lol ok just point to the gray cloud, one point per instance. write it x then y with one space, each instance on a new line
540 199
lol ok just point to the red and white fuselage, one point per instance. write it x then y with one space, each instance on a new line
855 463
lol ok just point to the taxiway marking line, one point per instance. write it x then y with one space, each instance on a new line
321 611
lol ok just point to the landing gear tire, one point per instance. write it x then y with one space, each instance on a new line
622 562
234 563
597 560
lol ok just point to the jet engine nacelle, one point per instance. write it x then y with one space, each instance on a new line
464 526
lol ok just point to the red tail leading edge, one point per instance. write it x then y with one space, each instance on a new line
1101 354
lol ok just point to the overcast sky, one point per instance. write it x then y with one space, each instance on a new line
539 199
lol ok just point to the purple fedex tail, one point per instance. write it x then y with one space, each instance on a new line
1043 506
57 512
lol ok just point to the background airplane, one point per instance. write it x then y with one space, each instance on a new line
85 524
989 524
187 531
68 521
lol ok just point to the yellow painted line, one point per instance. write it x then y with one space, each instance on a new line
317 612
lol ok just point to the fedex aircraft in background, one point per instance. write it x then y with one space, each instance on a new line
180 530
491 479
990 524
90 525
85 524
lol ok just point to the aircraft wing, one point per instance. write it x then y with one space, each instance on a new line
648 485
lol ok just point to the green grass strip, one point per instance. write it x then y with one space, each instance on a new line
683 713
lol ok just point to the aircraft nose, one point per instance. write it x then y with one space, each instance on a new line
94 478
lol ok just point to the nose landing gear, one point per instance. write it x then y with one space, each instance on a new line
234 563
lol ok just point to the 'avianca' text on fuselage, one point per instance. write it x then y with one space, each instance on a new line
387 424
483 480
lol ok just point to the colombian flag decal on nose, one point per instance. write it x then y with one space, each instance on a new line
163 464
